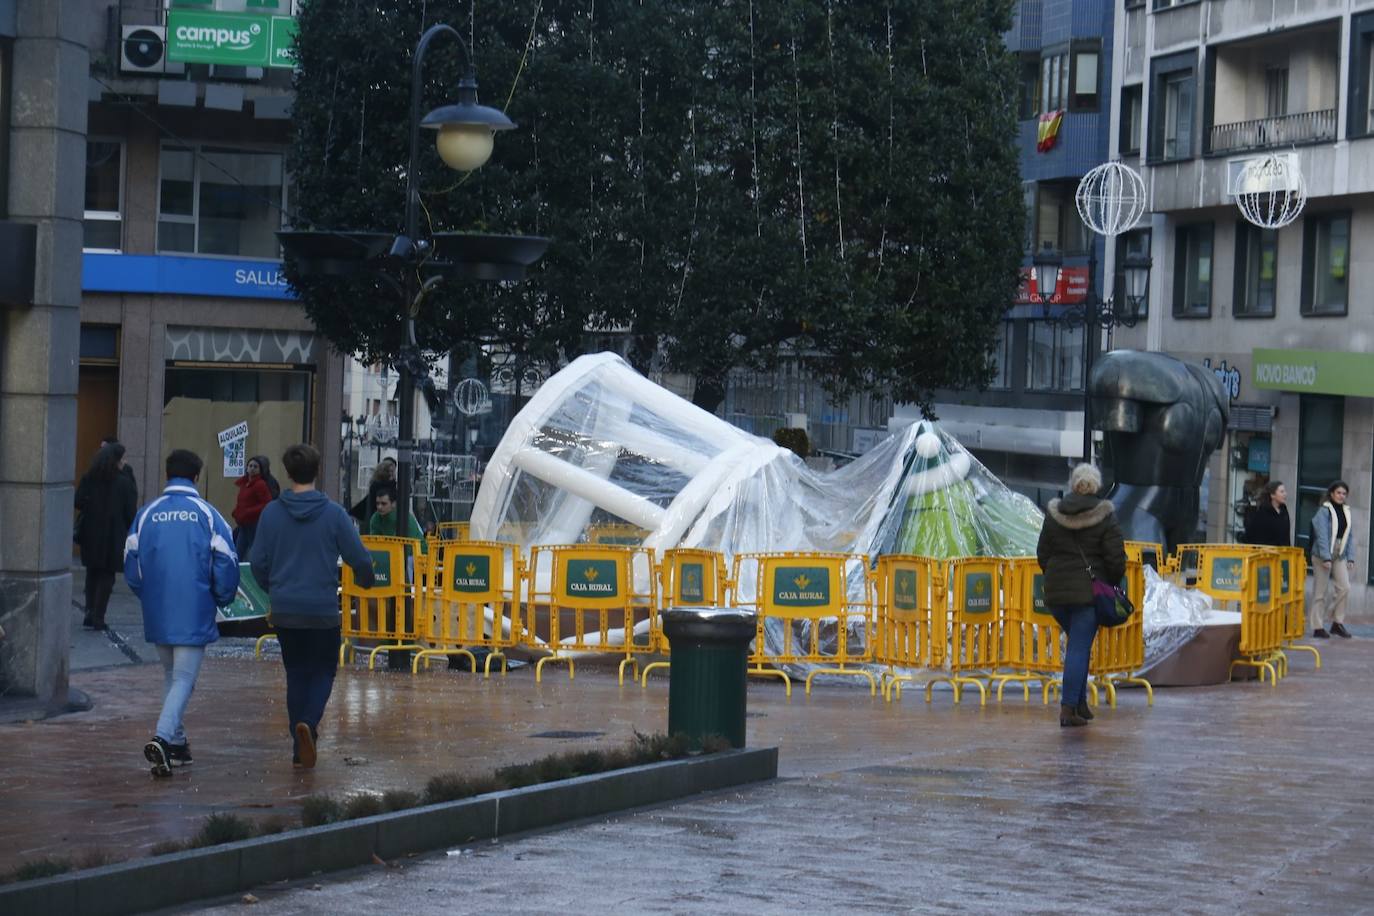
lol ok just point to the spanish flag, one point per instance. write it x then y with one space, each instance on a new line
1047 133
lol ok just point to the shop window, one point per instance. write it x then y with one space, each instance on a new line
104 219
1135 243
1326 264
99 343
1030 86
1172 107
1193 271
1321 431
1054 81
1001 356
1057 223
1257 258
1361 85
1054 356
1087 60
1132 115
220 202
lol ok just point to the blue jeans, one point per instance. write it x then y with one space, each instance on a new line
180 667
310 657
1079 623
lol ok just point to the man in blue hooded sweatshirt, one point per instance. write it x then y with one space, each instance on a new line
295 557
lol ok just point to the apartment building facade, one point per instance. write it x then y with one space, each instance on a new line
187 326
1285 316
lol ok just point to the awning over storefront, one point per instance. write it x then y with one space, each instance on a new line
1314 372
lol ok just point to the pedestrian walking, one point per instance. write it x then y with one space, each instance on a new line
124 467
1333 557
295 559
1079 541
1267 523
384 474
255 492
106 500
179 562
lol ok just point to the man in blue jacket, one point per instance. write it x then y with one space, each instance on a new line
295 558
179 560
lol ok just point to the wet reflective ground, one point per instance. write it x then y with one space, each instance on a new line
1238 797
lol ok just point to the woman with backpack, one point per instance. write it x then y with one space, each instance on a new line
1333 557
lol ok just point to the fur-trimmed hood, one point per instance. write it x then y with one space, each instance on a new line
1077 512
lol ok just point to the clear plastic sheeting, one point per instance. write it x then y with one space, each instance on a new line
1173 615
601 448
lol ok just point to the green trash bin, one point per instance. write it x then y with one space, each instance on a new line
709 647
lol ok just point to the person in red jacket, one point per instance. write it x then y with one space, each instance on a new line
255 492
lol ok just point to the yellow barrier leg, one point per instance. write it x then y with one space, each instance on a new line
539 666
644 678
1149 689
486 668
851 672
345 653
634 667
257 646
982 691
372 656
1315 654
759 671
930 688
425 655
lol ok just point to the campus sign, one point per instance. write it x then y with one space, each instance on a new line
1315 372
232 39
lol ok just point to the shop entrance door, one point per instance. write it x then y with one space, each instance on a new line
97 412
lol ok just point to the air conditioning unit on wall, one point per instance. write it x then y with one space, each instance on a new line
143 49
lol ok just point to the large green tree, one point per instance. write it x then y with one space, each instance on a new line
725 182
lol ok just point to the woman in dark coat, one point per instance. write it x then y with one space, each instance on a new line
1268 522
107 501
383 476
1079 541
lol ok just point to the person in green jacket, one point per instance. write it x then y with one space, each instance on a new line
383 521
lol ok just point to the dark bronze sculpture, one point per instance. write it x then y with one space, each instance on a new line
1162 419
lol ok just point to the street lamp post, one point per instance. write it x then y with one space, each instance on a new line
464 142
1092 313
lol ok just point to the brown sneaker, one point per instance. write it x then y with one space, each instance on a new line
1069 717
305 745
1339 630
1319 633
1084 712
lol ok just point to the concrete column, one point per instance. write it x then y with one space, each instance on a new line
39 351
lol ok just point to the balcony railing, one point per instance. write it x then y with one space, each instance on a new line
1269 133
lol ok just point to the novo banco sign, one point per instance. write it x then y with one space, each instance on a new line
1314 372
233 39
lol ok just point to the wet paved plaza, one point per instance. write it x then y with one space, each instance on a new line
1215 800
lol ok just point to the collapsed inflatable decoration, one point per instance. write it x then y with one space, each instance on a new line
601 447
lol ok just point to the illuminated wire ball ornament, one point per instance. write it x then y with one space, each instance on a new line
1270 191
1111 198
471 397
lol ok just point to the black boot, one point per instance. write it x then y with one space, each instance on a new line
1069 717
1084 712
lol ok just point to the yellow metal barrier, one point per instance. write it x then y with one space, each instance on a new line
974 624
810 590
452 531
1147 554
1262 618
903 586
616 534
1293 595
687 577
1030 635
474 600
392 610
590 591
